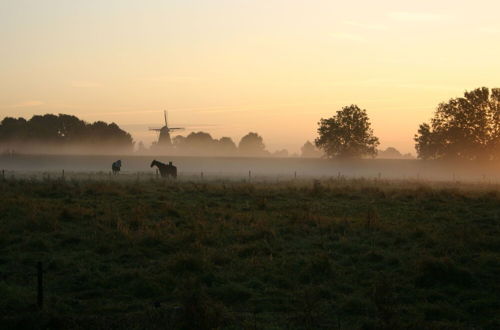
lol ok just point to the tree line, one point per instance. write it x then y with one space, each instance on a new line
464 128
62 133
203 144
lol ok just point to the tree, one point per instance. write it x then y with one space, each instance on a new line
196 143
466 128
389 153
347 134
226 146
393 153
178 141
308 150
13 130
252 144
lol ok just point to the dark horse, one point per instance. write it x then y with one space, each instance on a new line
116 166
165 170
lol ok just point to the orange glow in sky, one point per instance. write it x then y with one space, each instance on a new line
229 67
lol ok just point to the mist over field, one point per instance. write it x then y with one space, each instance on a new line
260 168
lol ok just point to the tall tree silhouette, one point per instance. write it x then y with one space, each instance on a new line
347 134
467 128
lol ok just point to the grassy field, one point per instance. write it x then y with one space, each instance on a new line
333 254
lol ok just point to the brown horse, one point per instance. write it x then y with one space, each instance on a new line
166 171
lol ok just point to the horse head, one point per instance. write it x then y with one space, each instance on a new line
153 163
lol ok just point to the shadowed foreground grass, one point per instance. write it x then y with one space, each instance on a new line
302 255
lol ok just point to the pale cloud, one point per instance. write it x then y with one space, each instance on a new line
393 84
170 79
377 27
417 16
85 84
349 37
107 113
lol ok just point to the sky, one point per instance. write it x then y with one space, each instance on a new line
229 67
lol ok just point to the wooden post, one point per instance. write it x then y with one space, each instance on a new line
3 175
249 176
201 175
63 174
40 285
295 175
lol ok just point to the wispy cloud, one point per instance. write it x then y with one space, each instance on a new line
24 104
85 84
188 126
417 16
377 27
131 112
349 37
392 83
172 79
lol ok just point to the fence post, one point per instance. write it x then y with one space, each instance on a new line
40 284
201 175
295 175
63 174
3 175
249 176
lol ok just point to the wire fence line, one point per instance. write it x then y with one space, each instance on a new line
242 176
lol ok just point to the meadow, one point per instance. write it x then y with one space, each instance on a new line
145 253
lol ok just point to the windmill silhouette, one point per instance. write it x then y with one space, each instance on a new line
164 137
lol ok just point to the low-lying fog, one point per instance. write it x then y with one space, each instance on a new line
260 167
